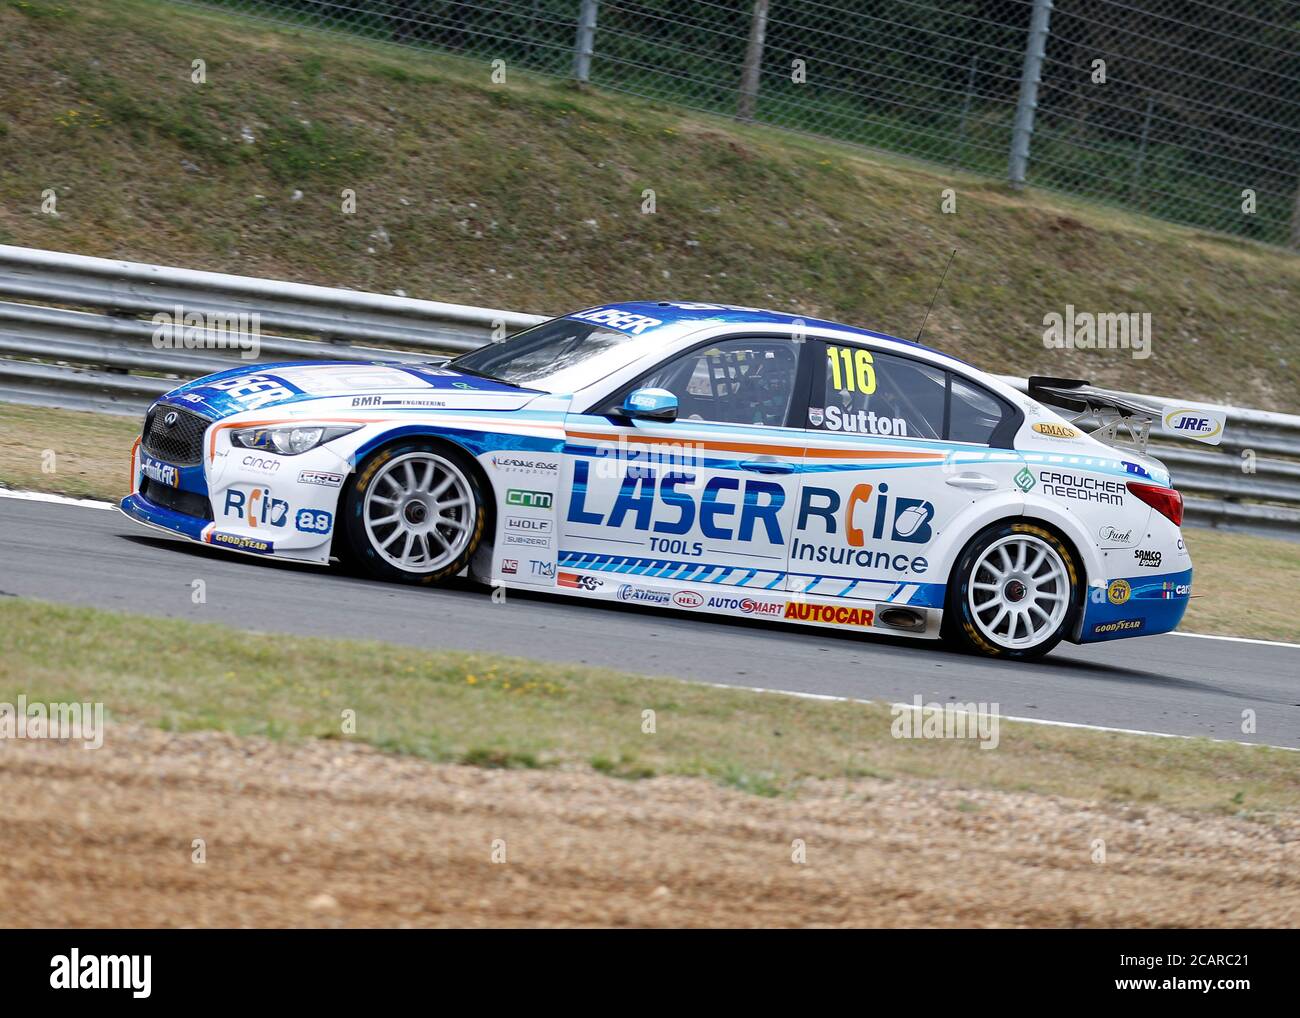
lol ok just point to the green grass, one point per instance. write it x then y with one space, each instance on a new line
493 711
528 196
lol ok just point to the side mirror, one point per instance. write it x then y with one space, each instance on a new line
651 405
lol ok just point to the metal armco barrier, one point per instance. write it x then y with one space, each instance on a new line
106 360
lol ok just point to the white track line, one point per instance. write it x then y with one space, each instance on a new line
40 496
1002 717
90 503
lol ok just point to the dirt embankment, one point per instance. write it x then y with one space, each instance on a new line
332 834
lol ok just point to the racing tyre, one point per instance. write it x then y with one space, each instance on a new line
413 513
1014 592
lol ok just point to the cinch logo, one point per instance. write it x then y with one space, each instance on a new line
832 614
529 499
257 507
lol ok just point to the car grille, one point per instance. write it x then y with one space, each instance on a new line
187 503
182 443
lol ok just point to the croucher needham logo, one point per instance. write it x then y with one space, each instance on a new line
75 971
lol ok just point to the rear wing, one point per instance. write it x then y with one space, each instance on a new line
1118 415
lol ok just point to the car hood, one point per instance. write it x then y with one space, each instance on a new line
307 388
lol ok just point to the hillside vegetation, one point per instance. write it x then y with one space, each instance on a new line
529 195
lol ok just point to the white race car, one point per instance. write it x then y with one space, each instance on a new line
705 458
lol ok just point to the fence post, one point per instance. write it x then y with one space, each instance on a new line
1295 221
584 44
1030 76
753 63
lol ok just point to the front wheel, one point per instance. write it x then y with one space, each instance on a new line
1014 592
414 513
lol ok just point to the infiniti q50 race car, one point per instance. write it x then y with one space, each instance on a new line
712 459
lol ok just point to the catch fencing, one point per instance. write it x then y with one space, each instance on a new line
1188 110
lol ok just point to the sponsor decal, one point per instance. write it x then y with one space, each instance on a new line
1055 430
579 582
1199 425
624 321
367 401
1169 590
541 568
748 606
1118 591
688 599
157 470
1025 479
256 507
321 477
1147 559
890 518
815 416
314 521
510 566
627 592
260 464
529 523
836 615
1119 626
527 541
862 422
252 392
1082 487
524 464
529 499
748 510
242 543
1113 535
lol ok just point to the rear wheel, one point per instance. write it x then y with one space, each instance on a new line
1014 592
414 513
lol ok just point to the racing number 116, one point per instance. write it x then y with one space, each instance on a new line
852 370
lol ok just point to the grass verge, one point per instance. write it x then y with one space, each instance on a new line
495 711
530 195
90 461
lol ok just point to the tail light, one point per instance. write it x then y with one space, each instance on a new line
1166 501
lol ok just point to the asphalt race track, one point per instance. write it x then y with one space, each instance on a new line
1169 684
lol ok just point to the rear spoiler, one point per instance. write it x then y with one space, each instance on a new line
1116 412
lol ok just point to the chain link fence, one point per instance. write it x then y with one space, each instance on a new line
1187 110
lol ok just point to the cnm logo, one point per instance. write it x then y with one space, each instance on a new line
528 499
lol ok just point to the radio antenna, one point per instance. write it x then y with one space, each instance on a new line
936 294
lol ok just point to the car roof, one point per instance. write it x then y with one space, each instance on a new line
677 313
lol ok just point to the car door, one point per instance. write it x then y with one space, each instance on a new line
706 500
883 482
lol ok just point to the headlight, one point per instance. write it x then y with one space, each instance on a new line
287 441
